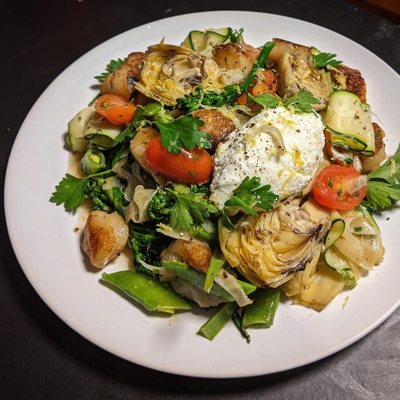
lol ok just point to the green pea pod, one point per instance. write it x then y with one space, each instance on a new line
147 291
216 263
197 279
152 109
261 313
214 324
93 161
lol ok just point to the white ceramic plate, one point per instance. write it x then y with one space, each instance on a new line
49 252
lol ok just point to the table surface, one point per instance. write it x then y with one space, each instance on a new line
40 356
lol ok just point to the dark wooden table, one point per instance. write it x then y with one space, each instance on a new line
40 356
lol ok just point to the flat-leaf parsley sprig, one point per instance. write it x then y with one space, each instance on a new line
248 196
183 132
301 102
323 60
112 66
383 184
180 206
73 191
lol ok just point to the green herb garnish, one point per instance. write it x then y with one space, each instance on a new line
110 68
323 60
301 102
182 207
383 184
248 196
266 100
183 132
70 192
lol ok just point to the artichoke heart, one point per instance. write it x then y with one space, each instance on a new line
297 72
170 72
268 250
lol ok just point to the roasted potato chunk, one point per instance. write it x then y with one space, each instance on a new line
135 62
234 61
138 147
216 124
282 46
121 81
350 79
195 253
104 237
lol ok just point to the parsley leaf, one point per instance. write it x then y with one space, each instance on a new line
249 195
182 207
301 102
266 100
70 192
322 60
383 184
110 67
190 208
183 132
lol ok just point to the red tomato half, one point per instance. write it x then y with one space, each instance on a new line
330 188
194 166
115 109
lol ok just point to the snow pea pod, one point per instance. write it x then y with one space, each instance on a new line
197 279
218 321
147 291
261 313
216 263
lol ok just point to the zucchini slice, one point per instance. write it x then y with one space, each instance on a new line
196 38
76 130
335 260
332 256
101 133
349 121
204 41
222 31
337 229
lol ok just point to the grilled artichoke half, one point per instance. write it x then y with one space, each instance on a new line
170 72
268 250
360 248
297 71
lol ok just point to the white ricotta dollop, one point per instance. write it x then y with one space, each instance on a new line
253 151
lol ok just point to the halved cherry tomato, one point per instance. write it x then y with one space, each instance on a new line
115 109
189 166
330 188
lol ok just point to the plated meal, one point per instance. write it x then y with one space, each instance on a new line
234 174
